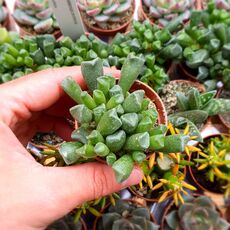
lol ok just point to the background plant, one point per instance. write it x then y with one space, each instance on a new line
106 14
214 160
196 213
35 15
165 12
196 107
127 215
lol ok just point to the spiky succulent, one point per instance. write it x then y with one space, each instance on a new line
196 107
35 16
127 215
104 12
164 11
3 12
196 213
214 159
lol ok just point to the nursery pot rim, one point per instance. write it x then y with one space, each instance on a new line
152 217
109 32
191 171
170 205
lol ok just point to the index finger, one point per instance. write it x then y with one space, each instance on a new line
40 90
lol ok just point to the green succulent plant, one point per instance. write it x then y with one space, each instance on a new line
196 213
35 16
220 4
197 107
113 124
163 12
106 14
127 215
3 12
214 160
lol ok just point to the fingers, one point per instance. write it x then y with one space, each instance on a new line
76 184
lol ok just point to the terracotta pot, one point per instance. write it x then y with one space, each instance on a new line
170 207
128 200
110 32
199 185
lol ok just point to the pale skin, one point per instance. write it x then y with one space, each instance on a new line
33 196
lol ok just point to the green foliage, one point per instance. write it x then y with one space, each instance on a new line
127 215
196 213
35 15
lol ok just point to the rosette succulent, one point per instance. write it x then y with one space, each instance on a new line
112 123
35 16
196 213
106 14
127 215
3 12
164 11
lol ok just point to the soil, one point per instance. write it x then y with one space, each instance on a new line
48 138
108 25
168 94
226 117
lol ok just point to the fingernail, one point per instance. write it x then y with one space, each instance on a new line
135 177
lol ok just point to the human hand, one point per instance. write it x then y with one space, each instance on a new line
33 196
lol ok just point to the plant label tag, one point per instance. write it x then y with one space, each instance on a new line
68 17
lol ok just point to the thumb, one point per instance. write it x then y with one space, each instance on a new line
74 185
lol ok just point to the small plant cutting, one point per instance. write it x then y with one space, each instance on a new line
196 213
164 170
212 164
113 124
35 16
106 15
165 12
3 13
126 215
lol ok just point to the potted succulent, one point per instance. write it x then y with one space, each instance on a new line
211 169
4 14
106 17
197 107
113 125
165 170
198 212
126 214
35 17
167 12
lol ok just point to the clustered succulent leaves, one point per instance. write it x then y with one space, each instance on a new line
196 213
213 159
3 12
127 215
113 123
164 170
197 107
104 13
220 4
35 15
164 12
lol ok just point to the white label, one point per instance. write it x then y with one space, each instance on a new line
68 17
